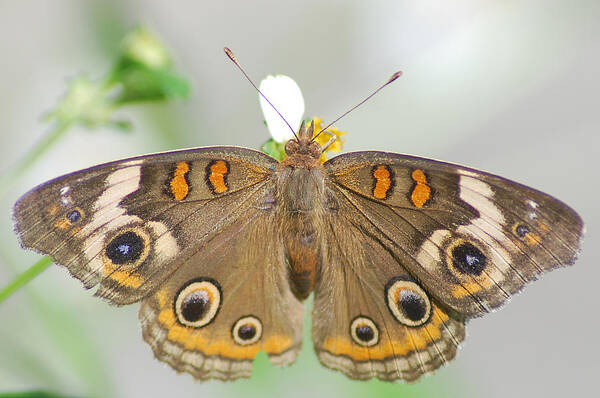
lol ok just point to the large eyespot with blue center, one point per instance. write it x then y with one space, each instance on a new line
129 247
407 302
466 257
197 302
364 332
247 330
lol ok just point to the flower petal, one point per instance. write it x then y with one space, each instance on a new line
285 95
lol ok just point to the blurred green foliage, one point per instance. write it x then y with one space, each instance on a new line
143 72
33 394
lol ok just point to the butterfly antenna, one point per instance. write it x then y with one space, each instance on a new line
390 80
235 61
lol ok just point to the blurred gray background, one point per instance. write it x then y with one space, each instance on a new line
510 87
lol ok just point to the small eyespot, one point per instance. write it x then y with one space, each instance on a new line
198 302
521 230
364 332
125 248
247 330
74 215
468 259
407 302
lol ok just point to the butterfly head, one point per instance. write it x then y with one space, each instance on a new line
303 143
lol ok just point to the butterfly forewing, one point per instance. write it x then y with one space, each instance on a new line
471 238
125 225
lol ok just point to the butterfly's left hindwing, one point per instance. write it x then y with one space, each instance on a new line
472 239
371 318
126 226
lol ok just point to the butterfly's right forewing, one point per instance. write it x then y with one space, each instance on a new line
127 225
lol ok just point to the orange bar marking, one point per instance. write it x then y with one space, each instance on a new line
421 192
218 171
179 185
383 181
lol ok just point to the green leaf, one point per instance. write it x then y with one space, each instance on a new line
138 83
274 149
143 71
24 277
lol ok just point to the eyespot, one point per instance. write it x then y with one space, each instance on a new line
247 330
521 230
525 234
69 219
364 332
407 302
74 215
198 302
467 258
128 247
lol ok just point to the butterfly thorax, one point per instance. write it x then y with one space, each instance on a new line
301 198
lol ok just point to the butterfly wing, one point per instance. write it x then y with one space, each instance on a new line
127 225
190 233
416 247
472 239
227 302
371 318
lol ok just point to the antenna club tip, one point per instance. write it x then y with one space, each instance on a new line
229 53
395 76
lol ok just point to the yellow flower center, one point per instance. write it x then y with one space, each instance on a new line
328 135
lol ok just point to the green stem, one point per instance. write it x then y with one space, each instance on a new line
24 277
41 147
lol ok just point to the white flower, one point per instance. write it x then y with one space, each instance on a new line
285 95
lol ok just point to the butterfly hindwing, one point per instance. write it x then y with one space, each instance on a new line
126 226
471 238
371 318
227 302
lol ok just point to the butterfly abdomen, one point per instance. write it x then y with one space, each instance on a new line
303 252
300 194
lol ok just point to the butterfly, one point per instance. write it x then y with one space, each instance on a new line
221 245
